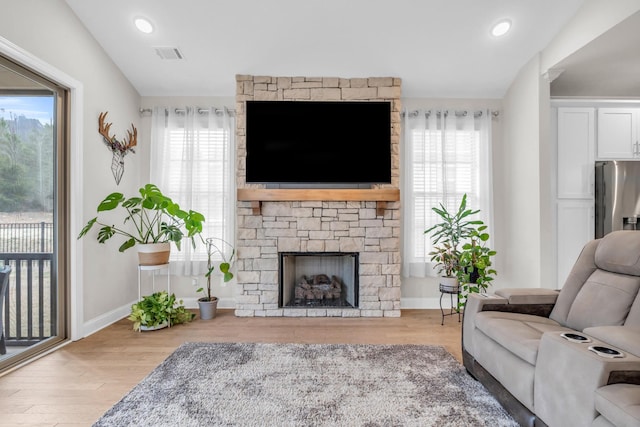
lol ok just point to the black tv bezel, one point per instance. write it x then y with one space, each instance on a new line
384 177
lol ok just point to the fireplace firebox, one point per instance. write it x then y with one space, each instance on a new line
318 279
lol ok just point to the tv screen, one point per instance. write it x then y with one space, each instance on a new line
317 142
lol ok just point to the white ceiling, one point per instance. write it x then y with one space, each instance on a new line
609 66
440 48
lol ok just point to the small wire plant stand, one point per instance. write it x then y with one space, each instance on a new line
451 290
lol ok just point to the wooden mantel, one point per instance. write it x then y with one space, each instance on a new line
379 195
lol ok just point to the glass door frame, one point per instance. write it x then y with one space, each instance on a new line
68 201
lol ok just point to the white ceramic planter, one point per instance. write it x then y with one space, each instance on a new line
154 328
449 284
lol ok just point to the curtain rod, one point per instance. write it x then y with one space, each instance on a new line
200 110
458 113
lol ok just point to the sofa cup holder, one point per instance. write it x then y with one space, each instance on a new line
605 351
575 337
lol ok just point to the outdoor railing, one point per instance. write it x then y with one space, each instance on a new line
26 237
30 306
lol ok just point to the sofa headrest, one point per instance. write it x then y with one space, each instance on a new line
619 252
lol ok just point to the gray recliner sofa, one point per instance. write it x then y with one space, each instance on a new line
525 345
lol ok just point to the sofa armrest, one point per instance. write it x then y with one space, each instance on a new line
529 295
534 301
567 374
626 338
475 304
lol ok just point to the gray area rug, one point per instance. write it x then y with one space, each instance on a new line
250 384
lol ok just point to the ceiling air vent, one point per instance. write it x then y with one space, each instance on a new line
168 52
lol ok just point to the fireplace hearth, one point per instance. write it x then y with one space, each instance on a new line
327 279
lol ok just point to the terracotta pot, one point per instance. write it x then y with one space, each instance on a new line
154 253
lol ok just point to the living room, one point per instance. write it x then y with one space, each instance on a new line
102 280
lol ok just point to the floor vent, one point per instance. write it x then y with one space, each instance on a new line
168 52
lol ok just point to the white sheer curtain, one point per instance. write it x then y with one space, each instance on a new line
192 162
447 153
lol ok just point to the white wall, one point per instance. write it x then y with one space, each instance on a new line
51 32
518 193
524 190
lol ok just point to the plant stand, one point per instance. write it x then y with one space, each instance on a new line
451 290
153 269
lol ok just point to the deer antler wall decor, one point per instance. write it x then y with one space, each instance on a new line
119 149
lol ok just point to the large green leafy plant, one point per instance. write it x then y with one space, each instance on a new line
154 216
460 248
448 236
159 308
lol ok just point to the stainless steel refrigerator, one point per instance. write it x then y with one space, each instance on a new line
617 196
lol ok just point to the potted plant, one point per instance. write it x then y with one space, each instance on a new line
157 311
215 250
475 271
447 237
461 251
156 220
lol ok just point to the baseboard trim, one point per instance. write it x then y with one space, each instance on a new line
97 323
94 325
424 303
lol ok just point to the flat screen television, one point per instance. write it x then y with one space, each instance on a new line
318 142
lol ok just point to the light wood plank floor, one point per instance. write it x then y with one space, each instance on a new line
76 384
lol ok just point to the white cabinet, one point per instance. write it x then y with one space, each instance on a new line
575 227
585 131
575 159
575 130
618 133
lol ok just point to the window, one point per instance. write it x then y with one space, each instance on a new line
192 152
446 156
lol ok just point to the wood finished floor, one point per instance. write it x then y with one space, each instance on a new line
76 384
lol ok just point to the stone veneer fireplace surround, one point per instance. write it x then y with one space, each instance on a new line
270 222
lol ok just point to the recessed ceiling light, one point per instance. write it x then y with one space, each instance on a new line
501 28
143 25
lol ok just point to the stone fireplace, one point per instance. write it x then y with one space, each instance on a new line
329 223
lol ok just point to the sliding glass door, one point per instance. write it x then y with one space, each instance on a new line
33 212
